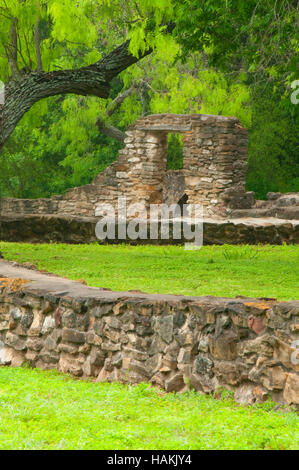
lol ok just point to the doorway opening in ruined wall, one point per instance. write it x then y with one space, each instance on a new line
175 160
174 188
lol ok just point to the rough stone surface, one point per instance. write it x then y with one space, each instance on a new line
280 206
175 342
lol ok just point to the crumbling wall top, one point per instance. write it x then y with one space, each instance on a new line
180 122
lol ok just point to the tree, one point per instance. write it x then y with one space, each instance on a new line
22 23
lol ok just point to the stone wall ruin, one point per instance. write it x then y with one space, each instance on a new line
214 153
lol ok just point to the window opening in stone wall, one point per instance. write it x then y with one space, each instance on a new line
175 151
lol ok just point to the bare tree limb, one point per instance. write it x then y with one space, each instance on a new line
110 131
107 129
37 41
13 50
117 102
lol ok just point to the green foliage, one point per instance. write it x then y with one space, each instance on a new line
67 150
63 39
264 271
188 87
48 410
26 14
273 163
258 38
175 160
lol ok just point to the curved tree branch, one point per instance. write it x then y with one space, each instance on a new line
20 95
117 102
107 129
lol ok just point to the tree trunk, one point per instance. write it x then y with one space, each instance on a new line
20 95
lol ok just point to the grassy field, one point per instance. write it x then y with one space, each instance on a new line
45 410
257 271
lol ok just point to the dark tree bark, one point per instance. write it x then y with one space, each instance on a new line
22 93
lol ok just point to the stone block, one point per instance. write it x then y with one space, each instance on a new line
73 336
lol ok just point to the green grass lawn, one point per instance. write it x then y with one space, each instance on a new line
257 271
46 410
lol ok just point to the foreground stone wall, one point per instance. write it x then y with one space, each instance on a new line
174 342
214 151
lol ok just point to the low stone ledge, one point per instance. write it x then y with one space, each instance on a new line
68 229
175 342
